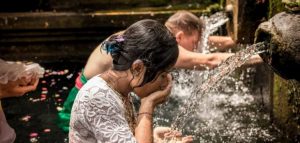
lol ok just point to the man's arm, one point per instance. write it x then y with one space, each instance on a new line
199 61
254 60
222 43
98 62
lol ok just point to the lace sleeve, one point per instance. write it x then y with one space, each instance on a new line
103 115
11 71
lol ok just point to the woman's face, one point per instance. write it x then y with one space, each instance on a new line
159 83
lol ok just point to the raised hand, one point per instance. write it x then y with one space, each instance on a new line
161 95
166 135
18 87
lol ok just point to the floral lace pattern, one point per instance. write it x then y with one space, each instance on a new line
98 115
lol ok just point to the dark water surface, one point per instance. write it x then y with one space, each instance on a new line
33 116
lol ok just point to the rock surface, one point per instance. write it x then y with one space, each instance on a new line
283 33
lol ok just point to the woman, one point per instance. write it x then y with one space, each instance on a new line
142 57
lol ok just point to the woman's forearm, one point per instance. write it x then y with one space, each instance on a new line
222 43
144 129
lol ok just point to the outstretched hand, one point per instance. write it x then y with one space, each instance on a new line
18 87
166 135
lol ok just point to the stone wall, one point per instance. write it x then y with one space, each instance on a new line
51 36
286 93
286 107
92 5
59 36
58 30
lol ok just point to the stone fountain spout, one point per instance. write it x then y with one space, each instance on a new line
282 32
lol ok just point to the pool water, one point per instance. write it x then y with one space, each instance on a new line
33 116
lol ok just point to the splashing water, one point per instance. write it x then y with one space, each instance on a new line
215 112
211 25
216 20
216 77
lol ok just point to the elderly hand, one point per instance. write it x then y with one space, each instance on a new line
18 87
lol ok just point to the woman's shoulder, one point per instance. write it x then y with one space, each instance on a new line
95 85
96 94
97 88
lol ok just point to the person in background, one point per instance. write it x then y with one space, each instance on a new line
13 89
142 59
187 28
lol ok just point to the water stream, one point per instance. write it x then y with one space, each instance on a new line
211 25
215 78
216 106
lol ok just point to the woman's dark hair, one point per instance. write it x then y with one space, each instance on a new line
147 40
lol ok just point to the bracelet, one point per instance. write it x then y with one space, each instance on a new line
144 113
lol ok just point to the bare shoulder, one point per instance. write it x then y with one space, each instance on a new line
98 62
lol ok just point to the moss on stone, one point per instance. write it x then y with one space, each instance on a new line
281 108
286 105
275 6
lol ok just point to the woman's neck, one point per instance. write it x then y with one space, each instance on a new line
119 81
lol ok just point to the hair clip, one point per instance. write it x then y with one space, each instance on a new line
120 38
109 47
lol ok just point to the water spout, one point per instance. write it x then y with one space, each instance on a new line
283 33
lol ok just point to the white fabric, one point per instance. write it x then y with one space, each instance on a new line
98 115
7 134
11 71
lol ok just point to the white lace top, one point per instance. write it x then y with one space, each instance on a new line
98 115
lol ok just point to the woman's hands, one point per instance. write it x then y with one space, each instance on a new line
166 135
18 87
143 131
159 96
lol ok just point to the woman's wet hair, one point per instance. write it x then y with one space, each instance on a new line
147 40
184 21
